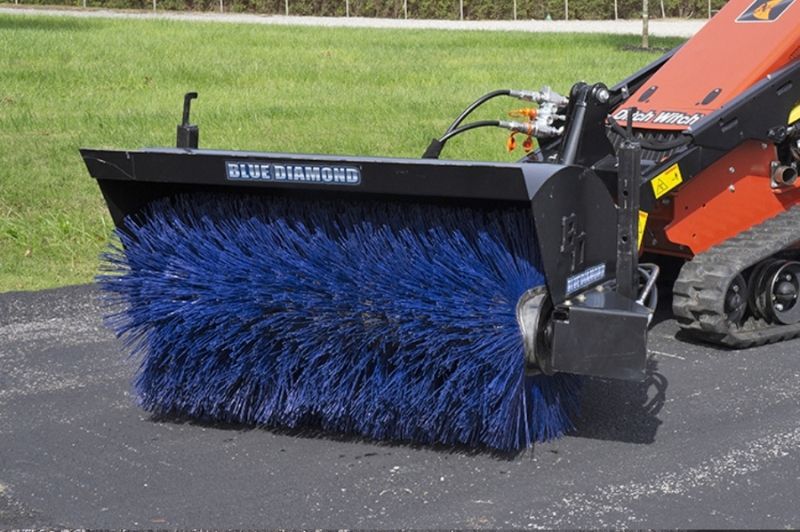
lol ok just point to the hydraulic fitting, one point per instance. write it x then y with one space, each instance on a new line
546 95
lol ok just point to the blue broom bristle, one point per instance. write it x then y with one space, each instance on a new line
390 321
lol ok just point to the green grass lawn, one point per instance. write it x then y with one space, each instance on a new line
66 83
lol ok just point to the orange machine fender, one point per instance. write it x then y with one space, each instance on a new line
729 197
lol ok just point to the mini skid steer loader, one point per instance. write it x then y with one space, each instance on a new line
419 299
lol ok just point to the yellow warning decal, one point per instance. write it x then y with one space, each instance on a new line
764 11
642 224
667 180
794 116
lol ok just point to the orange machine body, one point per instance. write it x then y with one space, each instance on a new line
744 43
728 55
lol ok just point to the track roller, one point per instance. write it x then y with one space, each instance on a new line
775 285
736 300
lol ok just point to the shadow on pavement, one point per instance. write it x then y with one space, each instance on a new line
622 410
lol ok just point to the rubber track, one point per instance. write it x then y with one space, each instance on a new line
699 291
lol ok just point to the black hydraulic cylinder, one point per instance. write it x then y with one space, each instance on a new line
628 179
569 150
585 140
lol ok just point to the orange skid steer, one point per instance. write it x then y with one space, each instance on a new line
460 302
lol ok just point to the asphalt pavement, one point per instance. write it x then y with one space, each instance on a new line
711 439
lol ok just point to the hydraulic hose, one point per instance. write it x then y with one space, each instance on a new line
472 125
545 95
474 105
435 147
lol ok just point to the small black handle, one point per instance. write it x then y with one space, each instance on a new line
188 134
187 105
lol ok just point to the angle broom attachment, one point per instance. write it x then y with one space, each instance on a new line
392 321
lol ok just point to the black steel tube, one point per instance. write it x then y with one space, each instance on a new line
628 179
